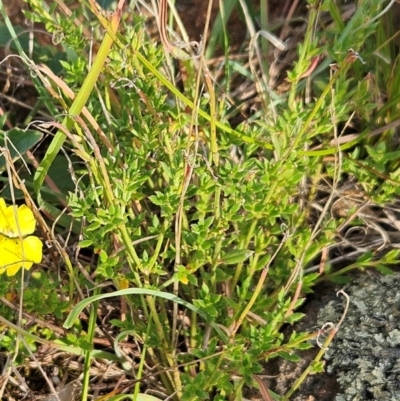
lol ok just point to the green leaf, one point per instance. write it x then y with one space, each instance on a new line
317 367
262 262
158 199
3 118
289 357
85 243
304 346
18 142
392 256
294 317
366 257
235 257
60 173
383 269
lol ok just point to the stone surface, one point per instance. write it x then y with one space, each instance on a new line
365 354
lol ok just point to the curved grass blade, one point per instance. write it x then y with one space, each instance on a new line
74 314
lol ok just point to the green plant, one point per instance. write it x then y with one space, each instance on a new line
206 248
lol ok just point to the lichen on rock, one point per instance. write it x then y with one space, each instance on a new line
365 354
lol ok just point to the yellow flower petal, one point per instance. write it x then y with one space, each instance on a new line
33 248
15 253
16 222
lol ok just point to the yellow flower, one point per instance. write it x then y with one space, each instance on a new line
16 222
16 248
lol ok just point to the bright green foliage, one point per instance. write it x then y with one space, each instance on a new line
223 220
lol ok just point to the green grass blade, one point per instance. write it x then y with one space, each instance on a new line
75 109
218 27
74 314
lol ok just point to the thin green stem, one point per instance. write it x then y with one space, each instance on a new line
89 340
243 245
159 244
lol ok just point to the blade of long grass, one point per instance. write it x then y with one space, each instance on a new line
218 27
80 99
140 291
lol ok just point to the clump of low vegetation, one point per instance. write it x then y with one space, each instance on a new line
182 228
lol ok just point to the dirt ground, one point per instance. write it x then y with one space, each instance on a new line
193 14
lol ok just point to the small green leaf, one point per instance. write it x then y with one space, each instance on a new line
383 269
294 317
367 256
304 346
235 257
158 199
392 256
317 367
93 226
85 243
103 256
289 357
3 118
